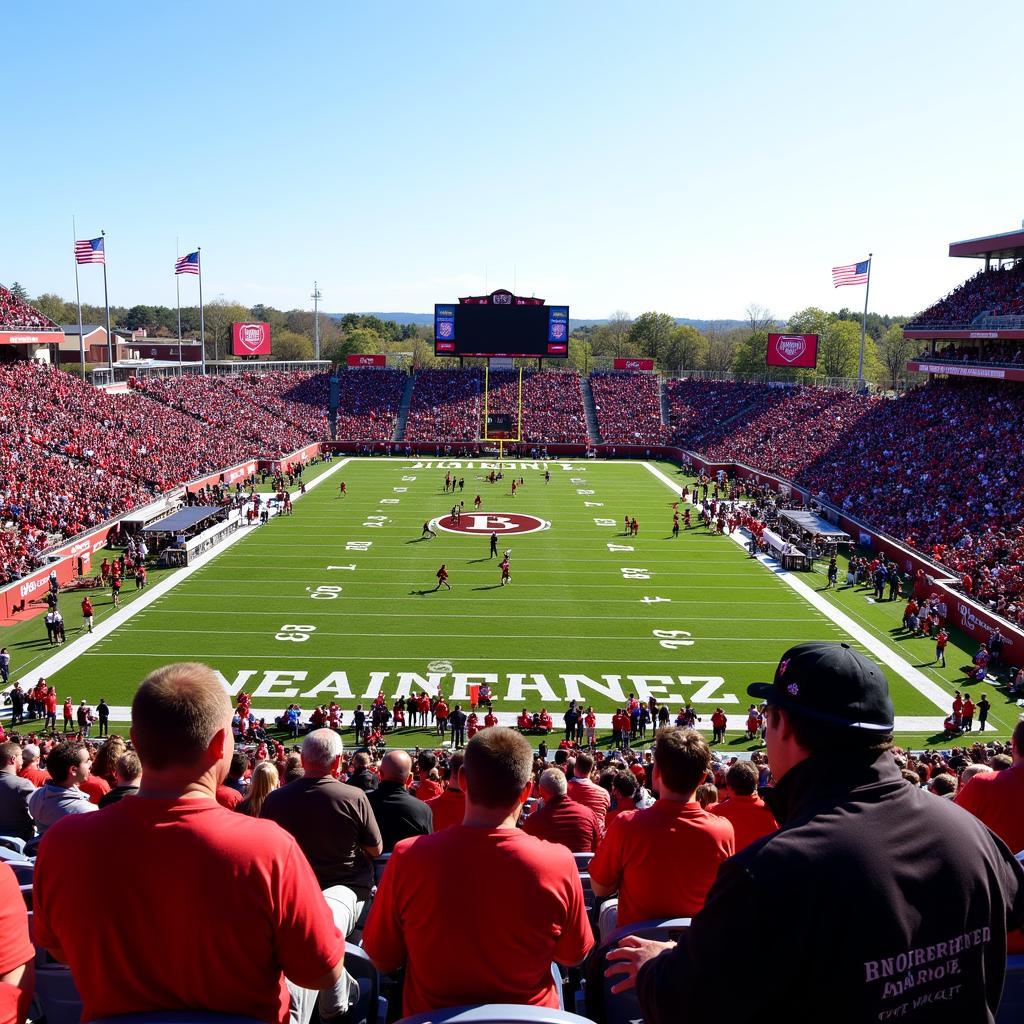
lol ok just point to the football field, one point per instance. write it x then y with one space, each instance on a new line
339 602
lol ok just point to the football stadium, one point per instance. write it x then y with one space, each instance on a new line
685 649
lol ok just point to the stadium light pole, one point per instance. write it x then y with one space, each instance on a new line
316 297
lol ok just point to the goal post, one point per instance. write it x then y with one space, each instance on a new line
498 426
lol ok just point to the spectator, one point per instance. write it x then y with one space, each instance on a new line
857 845
128 778
749 815
17 953
409 923
333 825
628 407
450 807
275 925
30 765
230 792
15 791
61 796
582 788
263 782
398 813
673 839
997 798
361 777
426 787
561 820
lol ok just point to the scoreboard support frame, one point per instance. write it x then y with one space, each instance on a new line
519 420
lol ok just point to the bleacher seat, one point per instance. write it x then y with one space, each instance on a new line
1011 1009
13 843
370 1007
57 995
495 1013
623 1007
583 860
379 864
24 871
12 856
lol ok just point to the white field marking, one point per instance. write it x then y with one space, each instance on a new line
233 612
151 595
917 679
413 580
451 597
471 570
470 636
487 659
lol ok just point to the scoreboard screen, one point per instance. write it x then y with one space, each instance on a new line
499 424
471 329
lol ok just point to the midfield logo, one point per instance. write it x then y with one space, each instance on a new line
502 523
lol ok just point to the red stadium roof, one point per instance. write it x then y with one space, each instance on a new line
1007 245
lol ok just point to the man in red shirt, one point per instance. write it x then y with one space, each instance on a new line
410 922
30 766
561 820
426 788
17 954
997 798
245 910
450 807
586 792
718 723
662 860
748 813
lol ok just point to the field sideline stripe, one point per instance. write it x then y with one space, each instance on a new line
84 643
474 615
917 679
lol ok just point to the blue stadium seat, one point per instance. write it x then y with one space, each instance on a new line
379 864
13 843
495 1013
370 1007
1011 1009
57 995
597 997
24 870
583 860
26 895
12 856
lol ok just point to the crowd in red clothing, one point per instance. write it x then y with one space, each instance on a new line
18 315
552 404
368 403
446 405
997 292
1004 352
628 407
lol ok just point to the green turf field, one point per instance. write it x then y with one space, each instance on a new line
338 602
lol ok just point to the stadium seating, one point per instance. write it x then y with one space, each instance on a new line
18 315
996 292
57 995
370 1007
1011 1009
552 404
628 407
368 403
13 843
446 406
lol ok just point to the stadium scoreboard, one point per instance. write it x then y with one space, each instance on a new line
501 330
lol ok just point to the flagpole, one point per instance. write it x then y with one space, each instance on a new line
177 288
202 322
106 303
863 327
78 299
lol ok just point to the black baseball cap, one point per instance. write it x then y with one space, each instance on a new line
830 682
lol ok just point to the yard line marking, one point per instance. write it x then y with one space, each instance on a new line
917 679
233 612
419 658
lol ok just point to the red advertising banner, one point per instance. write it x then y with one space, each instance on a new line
367 360
634 364
31 337
793 350
250 339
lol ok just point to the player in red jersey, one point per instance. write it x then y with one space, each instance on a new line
442 578
342 489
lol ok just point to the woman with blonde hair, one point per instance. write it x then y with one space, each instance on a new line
264 781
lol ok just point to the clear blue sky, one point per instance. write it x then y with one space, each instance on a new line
608 155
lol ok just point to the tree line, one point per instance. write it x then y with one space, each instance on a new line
674 348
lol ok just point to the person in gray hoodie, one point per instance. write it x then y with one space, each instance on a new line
68 764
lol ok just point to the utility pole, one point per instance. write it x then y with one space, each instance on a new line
316 297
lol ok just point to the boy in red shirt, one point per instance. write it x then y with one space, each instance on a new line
750 816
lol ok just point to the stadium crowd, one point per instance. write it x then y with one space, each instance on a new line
445 405
552 404
628 407
286 844
996 292
368 403
18 315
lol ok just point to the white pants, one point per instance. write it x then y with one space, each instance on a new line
345 909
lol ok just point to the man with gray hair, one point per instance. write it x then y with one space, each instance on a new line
333 824
561 820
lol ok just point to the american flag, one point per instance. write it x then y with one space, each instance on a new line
89 250
188 264
855 273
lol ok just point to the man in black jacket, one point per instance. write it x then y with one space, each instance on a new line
361 777
399 814
878 901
